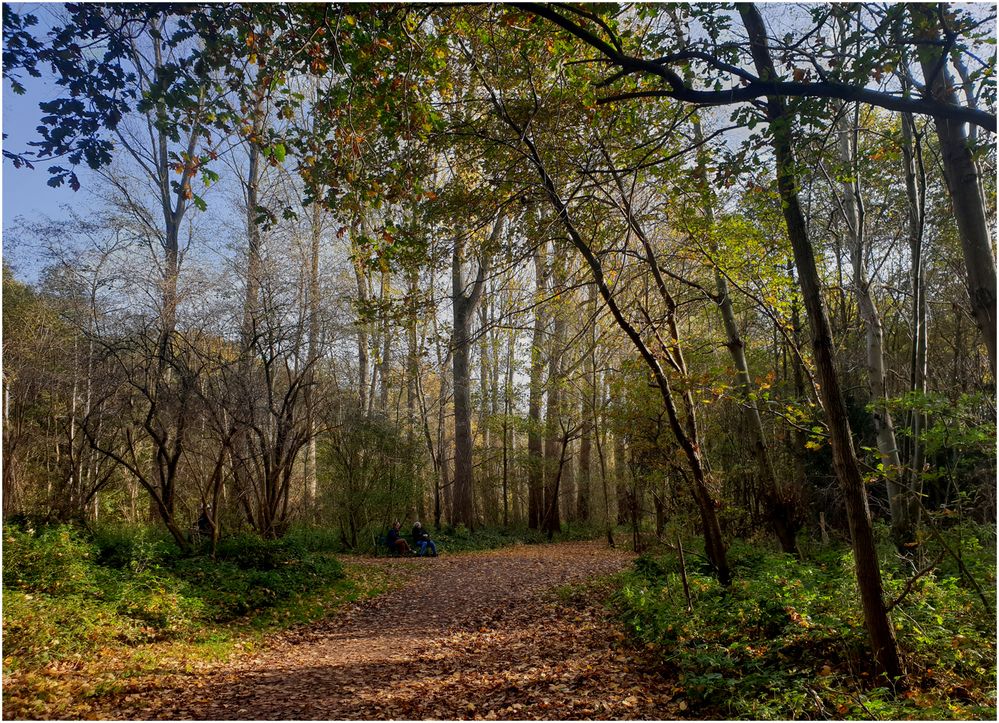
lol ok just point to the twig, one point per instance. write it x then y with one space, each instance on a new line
912 581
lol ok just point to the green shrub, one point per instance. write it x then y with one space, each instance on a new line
52 560
123 547
314 539
251 574
786 639
66 590
461 539
38 628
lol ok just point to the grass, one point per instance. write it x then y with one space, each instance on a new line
786 640
86 614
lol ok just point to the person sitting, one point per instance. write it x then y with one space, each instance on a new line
205 525
421 539
396 542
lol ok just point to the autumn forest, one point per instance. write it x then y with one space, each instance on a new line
674 325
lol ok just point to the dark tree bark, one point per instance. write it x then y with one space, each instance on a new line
621 480
750 87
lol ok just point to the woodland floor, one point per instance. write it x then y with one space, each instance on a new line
473 636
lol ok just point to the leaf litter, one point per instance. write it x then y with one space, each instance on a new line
481 636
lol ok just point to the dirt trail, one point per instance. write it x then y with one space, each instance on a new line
468 636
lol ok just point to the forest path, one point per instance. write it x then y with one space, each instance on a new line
468 636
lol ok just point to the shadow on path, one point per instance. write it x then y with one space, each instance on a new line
470 636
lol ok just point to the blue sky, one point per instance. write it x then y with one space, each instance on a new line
25 193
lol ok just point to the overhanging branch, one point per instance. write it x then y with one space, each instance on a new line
753 89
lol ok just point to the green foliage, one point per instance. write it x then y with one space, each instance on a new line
460 539
122 547
787 639
52 561
66 591
367 490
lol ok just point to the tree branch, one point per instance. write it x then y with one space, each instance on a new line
753 89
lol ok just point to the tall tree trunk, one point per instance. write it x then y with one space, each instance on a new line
600 438
779 501
243 472
851 199
312 354
361 278
385 362
879 629
621 480
961 173
484 395
915 199
464 311
554 443
495 345
587 409
685 430
507 414
535 458
412 385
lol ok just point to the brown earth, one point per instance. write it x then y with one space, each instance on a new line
476 636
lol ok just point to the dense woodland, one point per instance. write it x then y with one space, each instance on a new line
723 273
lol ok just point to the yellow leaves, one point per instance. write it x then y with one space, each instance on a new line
797 618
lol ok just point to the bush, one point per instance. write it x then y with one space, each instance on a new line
461 539
122 547
255 575
313 539
53 561
787 639
66 589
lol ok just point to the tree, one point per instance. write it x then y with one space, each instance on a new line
879 628
465 298
960 170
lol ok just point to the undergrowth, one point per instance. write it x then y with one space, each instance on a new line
787 640
127 601
460 539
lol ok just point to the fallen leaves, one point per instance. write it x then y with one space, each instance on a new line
477 636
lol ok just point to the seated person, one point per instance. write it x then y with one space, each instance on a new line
421 539
205 525
396 542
